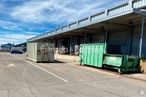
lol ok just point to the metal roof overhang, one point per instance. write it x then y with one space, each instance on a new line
111 24
23 43
119 20
87 25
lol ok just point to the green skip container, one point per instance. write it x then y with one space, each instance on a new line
92 54
124 63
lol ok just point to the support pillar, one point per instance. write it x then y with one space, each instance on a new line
85 37
141 37
71 48
130 38
91 38
79 41
106 35
106 38
56 41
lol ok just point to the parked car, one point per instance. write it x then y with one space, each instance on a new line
16 50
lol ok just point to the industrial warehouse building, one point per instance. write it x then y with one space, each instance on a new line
120 27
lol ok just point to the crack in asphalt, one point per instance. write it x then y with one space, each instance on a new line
8 92
32 92
115 94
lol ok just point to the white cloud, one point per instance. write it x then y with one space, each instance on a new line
34 11
45 12
39 11
1 6
9 25
15 38
20 27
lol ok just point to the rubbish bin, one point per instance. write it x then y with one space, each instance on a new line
92 54
124 63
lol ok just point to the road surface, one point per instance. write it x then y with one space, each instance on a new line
22 78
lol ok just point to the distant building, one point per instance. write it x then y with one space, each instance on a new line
6 47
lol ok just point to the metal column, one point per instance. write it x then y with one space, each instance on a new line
78 40
141 37
106 38
106 35
71 48
56 41
85 37
91 38
130 38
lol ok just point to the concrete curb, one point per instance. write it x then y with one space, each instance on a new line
136 78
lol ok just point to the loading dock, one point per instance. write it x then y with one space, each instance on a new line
121 27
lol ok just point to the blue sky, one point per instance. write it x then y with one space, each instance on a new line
23 19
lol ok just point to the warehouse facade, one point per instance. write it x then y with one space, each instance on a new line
120 27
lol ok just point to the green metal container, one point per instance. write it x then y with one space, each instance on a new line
92 54
123 63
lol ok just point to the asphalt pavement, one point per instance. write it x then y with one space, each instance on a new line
20 77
